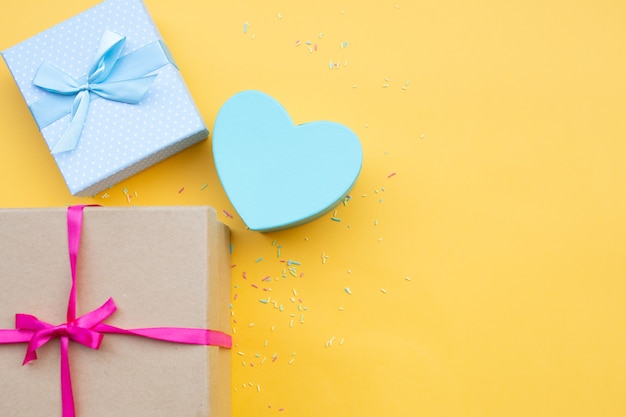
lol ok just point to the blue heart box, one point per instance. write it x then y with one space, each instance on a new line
278 174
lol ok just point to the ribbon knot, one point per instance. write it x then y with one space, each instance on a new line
97 81
81 330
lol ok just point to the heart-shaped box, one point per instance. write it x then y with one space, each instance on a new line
278 174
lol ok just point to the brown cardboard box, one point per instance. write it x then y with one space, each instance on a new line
164 267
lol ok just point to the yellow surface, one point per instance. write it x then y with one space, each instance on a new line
487 276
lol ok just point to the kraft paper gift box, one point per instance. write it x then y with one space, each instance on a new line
164 267
147 115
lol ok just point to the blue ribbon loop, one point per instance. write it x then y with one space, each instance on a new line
111 77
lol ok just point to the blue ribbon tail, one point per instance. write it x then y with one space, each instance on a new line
69 140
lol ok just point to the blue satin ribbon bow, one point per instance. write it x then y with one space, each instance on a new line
125 83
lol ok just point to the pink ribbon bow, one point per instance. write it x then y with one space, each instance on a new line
89 329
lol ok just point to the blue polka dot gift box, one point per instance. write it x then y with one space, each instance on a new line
106 95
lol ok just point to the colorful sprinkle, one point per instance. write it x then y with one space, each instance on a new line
203 186
348 291
391 175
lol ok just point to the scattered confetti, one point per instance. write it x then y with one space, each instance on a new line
324 257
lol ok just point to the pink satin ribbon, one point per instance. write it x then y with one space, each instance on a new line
89 329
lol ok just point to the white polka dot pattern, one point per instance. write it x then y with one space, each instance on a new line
118 139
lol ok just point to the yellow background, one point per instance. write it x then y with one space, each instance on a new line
487 276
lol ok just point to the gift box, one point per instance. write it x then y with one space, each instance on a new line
106 95
164 268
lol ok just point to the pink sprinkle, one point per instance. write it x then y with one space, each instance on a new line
236 295
244 275
301 274
227 214
254 285
181 190
281 409
297 43
267 278
391 175
233 266
266 289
